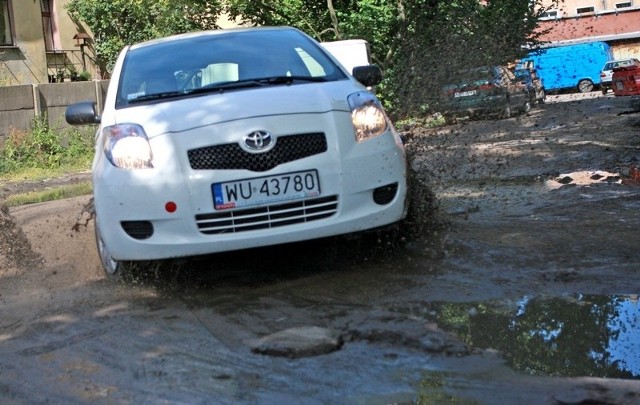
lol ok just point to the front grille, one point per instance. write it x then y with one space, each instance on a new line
272 216
231 156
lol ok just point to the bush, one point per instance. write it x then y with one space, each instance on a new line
44 148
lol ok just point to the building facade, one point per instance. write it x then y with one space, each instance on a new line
41 43
616 22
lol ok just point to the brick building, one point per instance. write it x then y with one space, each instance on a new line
616 22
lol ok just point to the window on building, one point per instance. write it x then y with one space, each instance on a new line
6 37
585 10
549 15
49 25
624 4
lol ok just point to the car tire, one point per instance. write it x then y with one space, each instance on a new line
604 90
450 119
113 269
526 107
585 86
543 96
506 111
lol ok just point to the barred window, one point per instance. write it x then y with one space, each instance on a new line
6 37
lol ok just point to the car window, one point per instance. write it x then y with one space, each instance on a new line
195 62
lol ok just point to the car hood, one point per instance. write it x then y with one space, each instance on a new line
177 115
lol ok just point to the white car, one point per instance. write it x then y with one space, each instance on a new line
234 139
607 71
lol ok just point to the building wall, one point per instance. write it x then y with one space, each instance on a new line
626 49
569 8
27 60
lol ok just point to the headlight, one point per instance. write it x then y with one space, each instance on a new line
127 147
367 115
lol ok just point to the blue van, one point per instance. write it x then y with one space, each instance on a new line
575 66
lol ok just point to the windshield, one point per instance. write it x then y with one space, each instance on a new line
222 62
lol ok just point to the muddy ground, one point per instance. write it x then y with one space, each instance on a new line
516 281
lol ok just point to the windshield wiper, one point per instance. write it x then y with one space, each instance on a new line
290 79
239 84
157 96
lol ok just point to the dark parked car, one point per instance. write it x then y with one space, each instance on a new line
485 91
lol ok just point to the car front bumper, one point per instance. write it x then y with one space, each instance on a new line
350 174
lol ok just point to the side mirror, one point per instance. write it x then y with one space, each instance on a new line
83 113
369 75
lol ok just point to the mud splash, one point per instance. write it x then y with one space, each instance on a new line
15 249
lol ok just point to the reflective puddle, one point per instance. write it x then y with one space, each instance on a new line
582 335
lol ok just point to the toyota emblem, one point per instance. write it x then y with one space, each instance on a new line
259 141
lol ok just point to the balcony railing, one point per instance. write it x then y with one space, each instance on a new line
67 65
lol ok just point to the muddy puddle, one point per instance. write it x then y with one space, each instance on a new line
573 335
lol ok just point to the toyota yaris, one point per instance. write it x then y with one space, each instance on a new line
234 139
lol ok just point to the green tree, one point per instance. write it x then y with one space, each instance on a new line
116 23
418 43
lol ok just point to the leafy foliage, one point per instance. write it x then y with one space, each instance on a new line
44 148
116 23
417 43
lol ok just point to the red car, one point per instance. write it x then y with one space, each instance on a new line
626 80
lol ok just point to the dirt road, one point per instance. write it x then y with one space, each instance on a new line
521 288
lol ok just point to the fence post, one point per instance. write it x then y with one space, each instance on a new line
36 101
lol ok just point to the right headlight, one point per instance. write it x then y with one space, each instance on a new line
367 115
127 146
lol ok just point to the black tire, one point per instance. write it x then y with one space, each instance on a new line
526 107
113 269
506 111
585 86
543 97
450 119
604 89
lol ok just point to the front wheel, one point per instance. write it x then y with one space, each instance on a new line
585 86
114 269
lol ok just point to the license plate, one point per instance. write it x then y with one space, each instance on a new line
619 85
464 93
265 190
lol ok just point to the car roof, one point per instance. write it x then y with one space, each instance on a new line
202 34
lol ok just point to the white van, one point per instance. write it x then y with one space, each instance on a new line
350 53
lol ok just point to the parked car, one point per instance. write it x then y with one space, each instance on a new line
485 91
626 80
606 75
234 139
535 86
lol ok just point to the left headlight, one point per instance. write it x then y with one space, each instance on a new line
127 146
367 115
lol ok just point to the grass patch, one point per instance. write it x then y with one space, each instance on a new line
43 149
55 193
45 153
